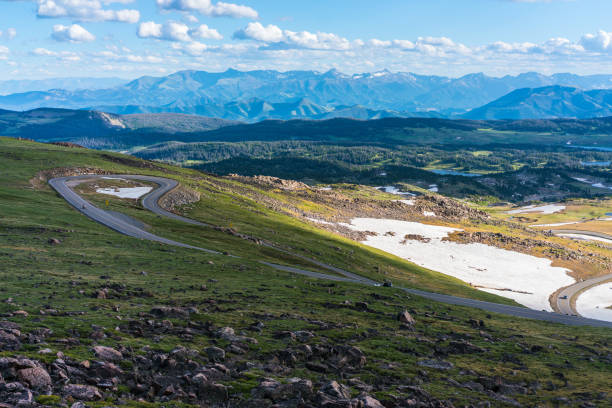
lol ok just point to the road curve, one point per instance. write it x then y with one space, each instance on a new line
566 299
108 219
150 202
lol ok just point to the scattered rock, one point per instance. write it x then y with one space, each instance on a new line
37 378
107 353
406 318
336 390
82 392
436 364
215 353
369 402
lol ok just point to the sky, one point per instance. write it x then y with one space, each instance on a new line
130 38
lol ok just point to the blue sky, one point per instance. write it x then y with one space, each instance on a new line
101 38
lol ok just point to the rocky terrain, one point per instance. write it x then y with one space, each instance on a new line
343 373
347 204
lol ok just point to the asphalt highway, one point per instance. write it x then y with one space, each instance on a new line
566 298
151 202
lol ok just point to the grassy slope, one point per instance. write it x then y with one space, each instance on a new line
37 275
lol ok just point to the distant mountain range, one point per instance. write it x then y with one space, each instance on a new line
257 95
12 86
547 102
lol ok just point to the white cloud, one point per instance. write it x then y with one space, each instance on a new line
173 31
85 10
375 42
272 34
149 29
600 42
259 32
4 51
43 52
74 33
205 32
176 31
195 48
169 31
206 7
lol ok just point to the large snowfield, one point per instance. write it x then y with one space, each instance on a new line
594 302
526 279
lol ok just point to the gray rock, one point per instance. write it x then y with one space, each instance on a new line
406 318
336 390
107 353
16 394
36 378
369 402
9 341
215 353
437 364
82 392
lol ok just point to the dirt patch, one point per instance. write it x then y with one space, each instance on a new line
415 237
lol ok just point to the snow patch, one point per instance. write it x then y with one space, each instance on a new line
128 192
407 202
543 209
594 302
584 237
394 190
527 279
429 214
559 224
319 221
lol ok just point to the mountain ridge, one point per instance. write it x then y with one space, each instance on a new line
545 103
375 94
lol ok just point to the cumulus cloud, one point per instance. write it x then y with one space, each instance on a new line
74 33
286 39
208 8
176 31
259 32
205 32
600 42
86 10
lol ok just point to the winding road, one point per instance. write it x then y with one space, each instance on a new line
64 185
566 300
